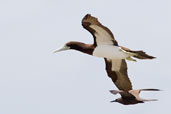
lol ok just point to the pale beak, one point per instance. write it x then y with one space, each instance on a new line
62 49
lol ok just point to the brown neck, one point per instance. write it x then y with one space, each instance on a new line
85 48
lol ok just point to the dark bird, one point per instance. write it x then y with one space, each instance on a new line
107 47
131 96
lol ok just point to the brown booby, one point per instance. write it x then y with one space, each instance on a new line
131 96
107 47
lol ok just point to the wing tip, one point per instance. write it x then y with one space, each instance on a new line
87 16
90 19
115 91
151 89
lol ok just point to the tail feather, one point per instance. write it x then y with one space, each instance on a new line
142 55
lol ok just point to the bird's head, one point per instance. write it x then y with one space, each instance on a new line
116 100
71 45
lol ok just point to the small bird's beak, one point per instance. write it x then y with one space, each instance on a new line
62 49
113 101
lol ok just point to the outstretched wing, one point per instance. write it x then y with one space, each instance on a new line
137 92
124 94
117 71
101 34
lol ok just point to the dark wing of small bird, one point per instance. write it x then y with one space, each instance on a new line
124 94
101 34
117 71
137 92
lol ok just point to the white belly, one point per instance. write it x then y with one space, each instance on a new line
110 52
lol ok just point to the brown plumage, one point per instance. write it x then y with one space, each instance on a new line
85 48
139 54
115 68
119 76
132 96
90 20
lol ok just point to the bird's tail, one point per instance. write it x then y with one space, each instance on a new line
137 54
141 55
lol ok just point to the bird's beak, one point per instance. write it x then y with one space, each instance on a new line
62 49
113 101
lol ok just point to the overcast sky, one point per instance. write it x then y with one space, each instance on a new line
35 81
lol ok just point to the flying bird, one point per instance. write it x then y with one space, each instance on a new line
131 96
105 46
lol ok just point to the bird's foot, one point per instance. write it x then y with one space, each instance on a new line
131 59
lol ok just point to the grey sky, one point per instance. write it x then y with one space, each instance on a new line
35 81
